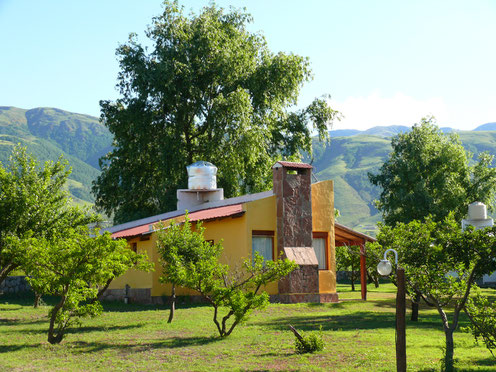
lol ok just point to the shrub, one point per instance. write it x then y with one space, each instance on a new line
309 343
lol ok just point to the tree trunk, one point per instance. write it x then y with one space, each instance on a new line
37 298
448 357
6 270
297 334
352 277
376 281
53 337
415 307
173 304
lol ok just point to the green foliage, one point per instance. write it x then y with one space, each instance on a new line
348 259
310 342
347 160
441 264
207 90
482 314
428 173
75 265
33 203
191 262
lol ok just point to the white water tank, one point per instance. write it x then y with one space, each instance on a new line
477 211
477 217
202 175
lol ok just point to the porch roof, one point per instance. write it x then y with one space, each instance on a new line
347 236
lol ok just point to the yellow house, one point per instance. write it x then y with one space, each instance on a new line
295 219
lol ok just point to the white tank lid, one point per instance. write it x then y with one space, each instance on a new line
477 211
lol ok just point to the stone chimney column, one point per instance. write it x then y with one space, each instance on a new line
292 187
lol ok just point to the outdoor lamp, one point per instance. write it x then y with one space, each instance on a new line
384 267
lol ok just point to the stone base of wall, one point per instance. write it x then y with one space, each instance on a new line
134 295
163 300
294 298
15 284
143 296
329 297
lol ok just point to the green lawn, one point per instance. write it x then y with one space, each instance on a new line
358 336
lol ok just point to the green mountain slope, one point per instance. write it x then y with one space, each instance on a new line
49 133
82 140
347 160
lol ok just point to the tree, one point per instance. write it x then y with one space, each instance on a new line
482 314
178 242
348 259
441 264
428 173
33 203
77 266
208 90
191 262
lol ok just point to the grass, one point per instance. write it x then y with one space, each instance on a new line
358 336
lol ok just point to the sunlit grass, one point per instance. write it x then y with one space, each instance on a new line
359 335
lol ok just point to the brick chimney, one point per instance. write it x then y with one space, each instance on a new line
292 187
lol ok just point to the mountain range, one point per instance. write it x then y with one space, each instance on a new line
51 132
351 154
350 157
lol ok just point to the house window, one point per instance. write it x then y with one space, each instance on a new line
319 244
263 242
134 247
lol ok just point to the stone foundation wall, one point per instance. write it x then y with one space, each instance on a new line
134 295
294 298
15 284
305 279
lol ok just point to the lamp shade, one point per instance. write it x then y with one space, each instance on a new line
384 267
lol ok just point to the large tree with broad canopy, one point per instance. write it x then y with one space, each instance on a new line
206 89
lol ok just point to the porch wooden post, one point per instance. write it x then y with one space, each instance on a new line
363 272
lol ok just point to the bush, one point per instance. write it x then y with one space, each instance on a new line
309 343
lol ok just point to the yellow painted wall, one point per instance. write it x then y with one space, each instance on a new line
261 215
236 234
323 221
135 278
231 231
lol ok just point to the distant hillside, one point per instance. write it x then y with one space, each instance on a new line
389 131
49 133
486 127
82 139
347 160
380 131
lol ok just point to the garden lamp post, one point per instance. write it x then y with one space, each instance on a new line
384 268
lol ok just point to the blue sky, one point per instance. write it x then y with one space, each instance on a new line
383 62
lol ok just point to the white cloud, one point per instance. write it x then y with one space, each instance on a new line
374 110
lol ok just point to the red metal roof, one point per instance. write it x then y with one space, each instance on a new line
289 164
205 214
